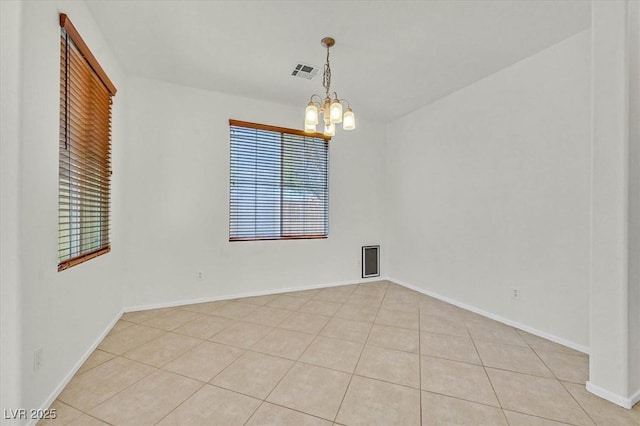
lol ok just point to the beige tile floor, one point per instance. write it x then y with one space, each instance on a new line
374 353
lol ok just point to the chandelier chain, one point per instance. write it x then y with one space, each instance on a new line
326 77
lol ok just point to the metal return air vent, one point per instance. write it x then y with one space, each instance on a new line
304 71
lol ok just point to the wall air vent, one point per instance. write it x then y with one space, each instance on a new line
305 71
370 261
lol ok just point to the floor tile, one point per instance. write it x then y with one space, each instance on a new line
513 358
537 396
334 294
306 323
398 367
129 338
313 390
443 410
139 317
357 312
258 300
457 379
96 358
172 319
352 358
271 415
253 374
566 367
206 307
363 300
266 315
320 307
539 343
213 406
449 347
371 289
287 302
235 310
434 324
519 419
241 334
64 414
402 305
120 325
148 400
434 307
87 420
372 402
494 331
204 361
401 339
89 389
355 331
398 319
333 353
162 350
601 411
284 343
205 327
305 294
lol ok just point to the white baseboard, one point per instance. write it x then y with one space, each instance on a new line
65 381
247 294
635 398
613 397
556 339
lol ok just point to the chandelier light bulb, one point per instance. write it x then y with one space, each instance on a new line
349 120
329 129
309 128
335 112
311 115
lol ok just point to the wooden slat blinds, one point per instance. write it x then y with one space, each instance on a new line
279 184
84 152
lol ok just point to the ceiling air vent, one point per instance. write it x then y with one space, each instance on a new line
305 71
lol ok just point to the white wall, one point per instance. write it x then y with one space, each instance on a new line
10 358
176 200
62 312
489 190
634 197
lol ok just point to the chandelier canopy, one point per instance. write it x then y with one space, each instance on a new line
331 109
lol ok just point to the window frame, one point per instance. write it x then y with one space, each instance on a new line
283 131
84 162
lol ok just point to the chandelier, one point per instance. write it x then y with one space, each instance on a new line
331 109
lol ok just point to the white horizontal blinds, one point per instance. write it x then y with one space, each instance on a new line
278 184
84 159
305 189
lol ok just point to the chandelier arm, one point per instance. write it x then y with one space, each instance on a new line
319 98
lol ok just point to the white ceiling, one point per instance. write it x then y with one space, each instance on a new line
390 57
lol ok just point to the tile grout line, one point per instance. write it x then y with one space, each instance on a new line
183 401
484 368
294 361
335 417
562 384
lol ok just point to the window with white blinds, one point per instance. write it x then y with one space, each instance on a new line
84 152
279 183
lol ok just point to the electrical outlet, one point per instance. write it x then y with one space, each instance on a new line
515 293
38 354
200 276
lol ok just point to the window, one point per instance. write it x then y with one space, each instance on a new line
279 187
85 152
